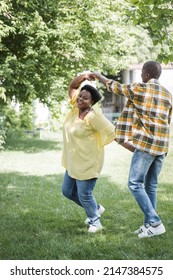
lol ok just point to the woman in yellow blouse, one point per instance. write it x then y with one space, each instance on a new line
85 132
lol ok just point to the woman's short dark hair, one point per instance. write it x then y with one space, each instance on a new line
95 95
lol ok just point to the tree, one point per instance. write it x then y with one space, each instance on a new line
26 57
157 17
43 44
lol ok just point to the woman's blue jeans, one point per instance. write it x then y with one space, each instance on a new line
143 180
81 192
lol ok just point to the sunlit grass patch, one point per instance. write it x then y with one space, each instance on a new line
37 222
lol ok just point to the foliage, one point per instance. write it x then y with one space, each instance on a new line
2 94
43 44
2 132
26 116
157 17
2 129
13 121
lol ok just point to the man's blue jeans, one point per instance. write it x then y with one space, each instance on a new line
143 180
81 192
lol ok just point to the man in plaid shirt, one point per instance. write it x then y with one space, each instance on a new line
145 122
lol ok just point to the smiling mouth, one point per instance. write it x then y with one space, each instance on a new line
79 103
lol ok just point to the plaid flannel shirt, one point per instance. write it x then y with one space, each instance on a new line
145 120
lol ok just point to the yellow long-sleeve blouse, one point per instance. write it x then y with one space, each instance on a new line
83 142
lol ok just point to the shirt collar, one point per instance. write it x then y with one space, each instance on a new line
153 81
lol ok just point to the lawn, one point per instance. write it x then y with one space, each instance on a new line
38 223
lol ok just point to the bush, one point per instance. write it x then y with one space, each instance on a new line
25 116
13 121
2 133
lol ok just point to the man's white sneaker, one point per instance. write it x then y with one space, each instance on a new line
152 231
94 229
140 230
100 211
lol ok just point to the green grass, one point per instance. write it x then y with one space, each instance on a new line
37 222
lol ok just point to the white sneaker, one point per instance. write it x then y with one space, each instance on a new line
140 230
152 231
93 229
100 211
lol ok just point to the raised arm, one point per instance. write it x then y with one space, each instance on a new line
76 82
99 77
116 87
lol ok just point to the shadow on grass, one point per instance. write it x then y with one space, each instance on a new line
39 223
32 145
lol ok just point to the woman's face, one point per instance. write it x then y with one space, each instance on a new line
84 100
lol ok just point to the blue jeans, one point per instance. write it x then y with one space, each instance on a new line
80 191
143 180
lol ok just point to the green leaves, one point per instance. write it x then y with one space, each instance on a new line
157 17
43 44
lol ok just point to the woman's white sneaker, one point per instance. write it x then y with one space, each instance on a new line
100 211
94 229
